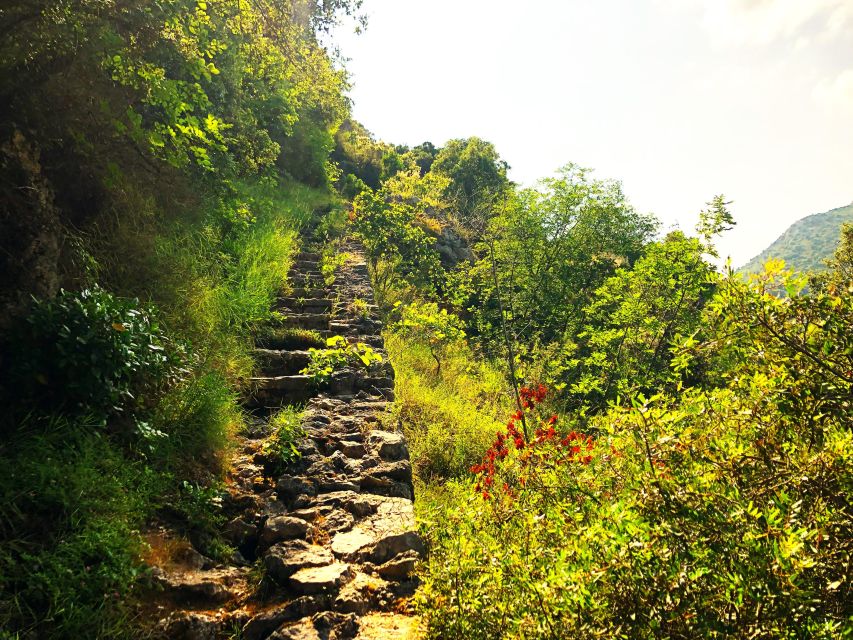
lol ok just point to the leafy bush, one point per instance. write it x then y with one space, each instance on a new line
426 323
721 512
337 355
398 250
90 352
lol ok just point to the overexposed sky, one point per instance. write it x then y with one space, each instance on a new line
678 99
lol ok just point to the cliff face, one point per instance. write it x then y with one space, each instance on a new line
30 229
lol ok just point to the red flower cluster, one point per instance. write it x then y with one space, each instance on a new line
531 396
577 444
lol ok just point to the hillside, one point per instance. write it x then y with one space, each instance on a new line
267 376
805 244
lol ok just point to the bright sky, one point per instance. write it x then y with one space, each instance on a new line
678 99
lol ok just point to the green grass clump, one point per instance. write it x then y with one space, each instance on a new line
71 506
449 417
290 338
280 449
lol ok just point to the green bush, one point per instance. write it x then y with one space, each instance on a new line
711 513
338 354
280 449
89 352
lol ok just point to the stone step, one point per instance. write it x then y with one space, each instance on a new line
363 326
312 278
307 320
307 255
202 588
275 391
301 274
306 265
314 305
333 529
303 292
280 362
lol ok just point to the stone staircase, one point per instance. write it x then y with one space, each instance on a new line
327 548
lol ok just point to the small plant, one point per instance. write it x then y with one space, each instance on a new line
280 449
360 308
331 263
425 322
337 355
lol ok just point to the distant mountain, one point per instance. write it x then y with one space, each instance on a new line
806 243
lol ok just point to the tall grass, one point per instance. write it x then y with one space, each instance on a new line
449 418
70 503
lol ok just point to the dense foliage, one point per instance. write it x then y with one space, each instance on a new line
158 160
683 472
676 461
720 512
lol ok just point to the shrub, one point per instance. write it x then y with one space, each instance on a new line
426 323
337 355
280 449
90 352
716 513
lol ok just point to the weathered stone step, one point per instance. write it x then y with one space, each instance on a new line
303 292
301 274
307 320
281 362
201 588
307 255
306 264
334 529
274 391
313 278
313 305
359 326
382 536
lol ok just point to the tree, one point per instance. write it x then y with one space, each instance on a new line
624 347
399 251
552 247
477 173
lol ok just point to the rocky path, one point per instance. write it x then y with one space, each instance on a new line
326 548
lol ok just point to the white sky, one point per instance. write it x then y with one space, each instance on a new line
678 99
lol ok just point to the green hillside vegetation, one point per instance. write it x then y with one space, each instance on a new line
806 244
610 439
158 160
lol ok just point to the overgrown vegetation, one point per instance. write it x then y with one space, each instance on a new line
676 458
280 449
158 161
337 355
676 461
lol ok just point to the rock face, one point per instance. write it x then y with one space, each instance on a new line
335 531
30 230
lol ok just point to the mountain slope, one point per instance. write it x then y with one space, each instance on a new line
806 243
